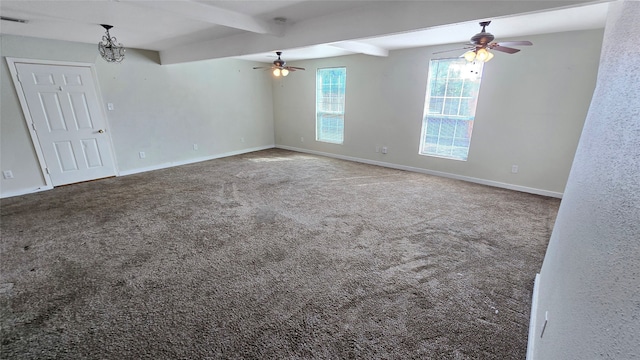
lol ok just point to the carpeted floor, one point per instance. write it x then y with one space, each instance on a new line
271 255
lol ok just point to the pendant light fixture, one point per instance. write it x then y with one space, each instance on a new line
110 49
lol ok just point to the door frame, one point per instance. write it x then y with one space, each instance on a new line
11 62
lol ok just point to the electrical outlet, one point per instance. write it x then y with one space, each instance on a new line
514 169
301 139
195 146
7 174
241 139
142 155
110 106
384 149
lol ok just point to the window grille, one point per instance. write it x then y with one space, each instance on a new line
330 100
450 106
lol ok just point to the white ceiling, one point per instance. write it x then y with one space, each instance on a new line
191 30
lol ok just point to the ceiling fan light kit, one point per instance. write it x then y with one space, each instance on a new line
279 67
478 55
110 49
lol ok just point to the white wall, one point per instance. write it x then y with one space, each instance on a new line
222 105
530 113
590 279
16 149
531 110
161 110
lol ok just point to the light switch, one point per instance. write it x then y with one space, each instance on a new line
110 106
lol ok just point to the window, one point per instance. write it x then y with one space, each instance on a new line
450 107
330 90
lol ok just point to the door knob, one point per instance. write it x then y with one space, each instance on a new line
101 131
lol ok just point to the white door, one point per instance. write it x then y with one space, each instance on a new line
70 126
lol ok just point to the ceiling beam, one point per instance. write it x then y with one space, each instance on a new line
373 18
360 47
214 15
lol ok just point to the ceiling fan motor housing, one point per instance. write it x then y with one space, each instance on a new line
279 62
483 38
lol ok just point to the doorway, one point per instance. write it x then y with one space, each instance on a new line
65 118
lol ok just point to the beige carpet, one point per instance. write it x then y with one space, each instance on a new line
271 255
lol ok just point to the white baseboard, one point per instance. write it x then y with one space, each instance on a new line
25 192
337 156
149 168
430 172
192 161
532 319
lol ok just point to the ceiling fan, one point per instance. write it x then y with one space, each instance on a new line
279 66
482 42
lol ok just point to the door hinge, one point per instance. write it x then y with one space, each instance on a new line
47 170
19 78
33 126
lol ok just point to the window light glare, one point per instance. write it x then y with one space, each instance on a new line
330 100
276 72
449 110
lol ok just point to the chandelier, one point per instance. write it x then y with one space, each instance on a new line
110 49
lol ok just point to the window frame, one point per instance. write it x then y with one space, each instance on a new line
464 122
338 115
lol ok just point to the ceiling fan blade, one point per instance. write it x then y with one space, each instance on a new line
260 67
294 68
514 43
457 49
505 49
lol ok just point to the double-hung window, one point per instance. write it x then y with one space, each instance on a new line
450 107
330 92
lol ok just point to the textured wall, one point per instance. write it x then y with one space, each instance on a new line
590 279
